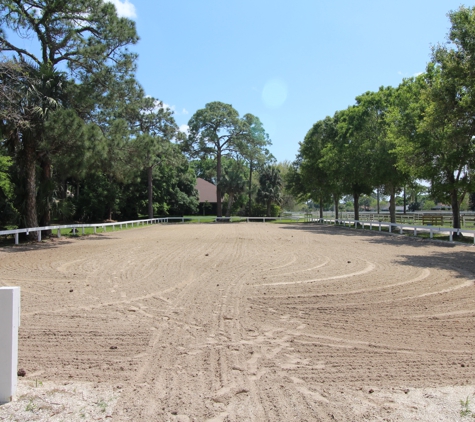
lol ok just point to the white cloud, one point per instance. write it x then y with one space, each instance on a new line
168 107
417 74
125 9
185 111
184 129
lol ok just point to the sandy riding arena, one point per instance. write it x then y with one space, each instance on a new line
244 322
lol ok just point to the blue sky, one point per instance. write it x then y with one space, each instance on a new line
289 63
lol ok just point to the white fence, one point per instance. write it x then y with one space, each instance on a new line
132 223
402 226
82 227
394 227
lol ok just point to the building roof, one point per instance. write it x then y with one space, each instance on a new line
206 191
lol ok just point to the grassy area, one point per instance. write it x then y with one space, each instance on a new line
69 232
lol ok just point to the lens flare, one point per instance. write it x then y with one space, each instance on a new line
274 93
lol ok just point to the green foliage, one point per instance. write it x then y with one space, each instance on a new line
472 201
465 410
216 131
99 198
433 126
5 183
270 187
233 183
8 213
205 168
87 41
260 210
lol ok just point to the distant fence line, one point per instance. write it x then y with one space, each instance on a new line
377 220
401 226
132 223
415 218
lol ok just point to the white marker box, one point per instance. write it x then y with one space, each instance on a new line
9 323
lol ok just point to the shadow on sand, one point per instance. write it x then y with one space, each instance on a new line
457 257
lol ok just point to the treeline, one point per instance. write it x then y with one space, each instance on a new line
422 129
81 140
230 150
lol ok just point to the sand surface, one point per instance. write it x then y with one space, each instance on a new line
243 322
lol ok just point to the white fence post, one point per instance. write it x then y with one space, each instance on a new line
9 323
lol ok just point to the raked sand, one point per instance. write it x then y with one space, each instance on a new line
243 322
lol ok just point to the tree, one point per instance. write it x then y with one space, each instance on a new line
233 183
373 125
27 103
83 38
7 211
320 173
153 128
216 131
435 131
353 152
289 200
253 148
270 187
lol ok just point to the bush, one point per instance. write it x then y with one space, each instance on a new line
259 210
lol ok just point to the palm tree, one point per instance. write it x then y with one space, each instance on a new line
270 189
27 100
233 183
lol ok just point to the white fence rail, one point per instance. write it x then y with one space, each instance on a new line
397 226
74 227
297 218
131 223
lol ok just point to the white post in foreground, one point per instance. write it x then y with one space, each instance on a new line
9 323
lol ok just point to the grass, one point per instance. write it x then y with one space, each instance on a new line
30 407
103 405
69 232
465 410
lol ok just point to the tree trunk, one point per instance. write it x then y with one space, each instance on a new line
46 217
269 203
356 205
392 204
250 189
454 199
63 189
321 208
31 217
150 191
377 199
405 201
336 200
230 204
219 209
